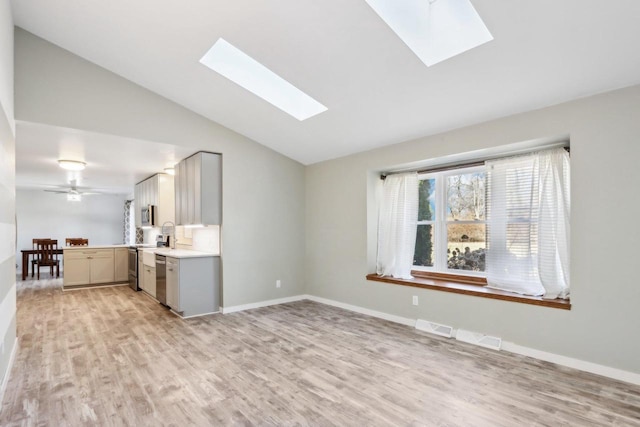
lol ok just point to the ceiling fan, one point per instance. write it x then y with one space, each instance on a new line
73 194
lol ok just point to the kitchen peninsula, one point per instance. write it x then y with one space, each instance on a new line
97 265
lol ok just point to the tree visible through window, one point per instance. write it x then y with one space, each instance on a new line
423 255
451 233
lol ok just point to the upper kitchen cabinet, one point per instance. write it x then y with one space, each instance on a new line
198 190
157 191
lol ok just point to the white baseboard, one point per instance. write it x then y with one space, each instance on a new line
362 310
570 362
82 287
234 308
5 379
193 315
581 365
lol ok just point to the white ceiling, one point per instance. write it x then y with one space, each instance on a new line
114 164
342 54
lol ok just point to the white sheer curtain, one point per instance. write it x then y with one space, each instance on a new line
397 225
528 224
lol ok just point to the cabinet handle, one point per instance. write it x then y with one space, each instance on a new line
170 269
89 257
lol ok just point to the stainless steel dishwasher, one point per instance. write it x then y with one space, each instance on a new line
161 279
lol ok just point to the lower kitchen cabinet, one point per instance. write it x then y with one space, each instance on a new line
141 267
173 287
77 271
149 277
88 266
193 285
121 256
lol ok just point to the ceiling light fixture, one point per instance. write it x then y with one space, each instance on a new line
434 30
240 68
72 165
170 171
74 197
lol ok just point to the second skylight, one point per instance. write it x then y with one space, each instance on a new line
240 68
435 30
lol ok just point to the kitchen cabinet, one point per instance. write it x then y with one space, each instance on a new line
140 271
193 285
88 266
121 257
77 271
198 190
147 271
149 278
173 280
159 191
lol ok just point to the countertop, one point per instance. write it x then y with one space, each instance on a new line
82 248
183 253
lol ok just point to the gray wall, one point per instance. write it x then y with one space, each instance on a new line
7 193
602 326
263 191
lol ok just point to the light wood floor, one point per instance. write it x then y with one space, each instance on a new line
114 357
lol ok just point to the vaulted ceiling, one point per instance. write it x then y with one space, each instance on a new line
341 53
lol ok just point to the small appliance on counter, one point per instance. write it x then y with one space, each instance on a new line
161 242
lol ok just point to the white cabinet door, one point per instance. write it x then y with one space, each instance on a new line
184 193
140 271
102 267
177 194
77 271
121 272
137 196
145 191
150 280
173 284
191 190
199 190
166 199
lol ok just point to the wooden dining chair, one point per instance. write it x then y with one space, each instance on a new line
47 256
35 257
76 241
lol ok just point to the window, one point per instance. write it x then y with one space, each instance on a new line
506 220
451 233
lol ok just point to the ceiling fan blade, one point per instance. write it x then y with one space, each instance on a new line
56 191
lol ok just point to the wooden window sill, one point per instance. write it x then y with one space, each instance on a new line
469 286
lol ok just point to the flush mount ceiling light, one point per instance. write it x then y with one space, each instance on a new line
170 171
240 68
71 165
435 30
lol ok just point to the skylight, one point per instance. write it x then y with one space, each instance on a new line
240 68
434 30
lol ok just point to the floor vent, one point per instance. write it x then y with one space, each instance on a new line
434 328
476 338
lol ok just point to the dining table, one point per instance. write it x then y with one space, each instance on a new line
26 254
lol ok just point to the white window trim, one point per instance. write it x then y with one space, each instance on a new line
439 225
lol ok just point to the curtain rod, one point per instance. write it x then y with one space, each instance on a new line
481 162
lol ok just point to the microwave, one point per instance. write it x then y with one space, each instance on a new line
148 216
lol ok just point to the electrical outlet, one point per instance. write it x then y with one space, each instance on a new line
415 300
278 283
